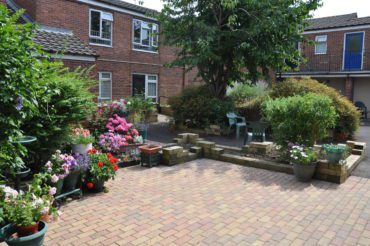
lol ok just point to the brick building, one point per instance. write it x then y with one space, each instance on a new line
118 38
340 56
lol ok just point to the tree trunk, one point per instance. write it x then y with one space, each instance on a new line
220 89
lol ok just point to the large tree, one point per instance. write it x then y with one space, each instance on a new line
234 40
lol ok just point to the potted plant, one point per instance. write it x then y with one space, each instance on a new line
58 170
23 210
102 168
334 152
304 162
150 155
82 141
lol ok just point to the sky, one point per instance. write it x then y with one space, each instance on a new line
330 7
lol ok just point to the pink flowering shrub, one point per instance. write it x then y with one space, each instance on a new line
120 134
102 113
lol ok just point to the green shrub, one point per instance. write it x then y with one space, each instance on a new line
348 115
300 119
242 93
20 73
197 107
65 102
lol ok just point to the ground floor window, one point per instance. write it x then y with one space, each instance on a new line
145 85
105 86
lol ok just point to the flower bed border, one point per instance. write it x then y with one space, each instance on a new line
334 173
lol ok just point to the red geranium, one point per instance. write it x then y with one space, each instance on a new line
113 160
92 151
90 185
115 168
109 155
100 164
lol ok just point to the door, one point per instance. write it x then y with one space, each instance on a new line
138 85
353 51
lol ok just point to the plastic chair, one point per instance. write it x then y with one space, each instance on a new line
361 106
255 130
237 121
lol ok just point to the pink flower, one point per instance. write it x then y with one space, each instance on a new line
52 191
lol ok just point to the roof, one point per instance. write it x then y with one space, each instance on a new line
129 6
337 21
56 40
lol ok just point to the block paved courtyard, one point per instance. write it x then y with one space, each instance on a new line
207 202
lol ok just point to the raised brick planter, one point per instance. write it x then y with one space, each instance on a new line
334 173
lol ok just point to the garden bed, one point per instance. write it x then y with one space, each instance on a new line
264 156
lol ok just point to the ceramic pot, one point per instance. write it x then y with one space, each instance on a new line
334 157
36 239
82 149
70 182
304 172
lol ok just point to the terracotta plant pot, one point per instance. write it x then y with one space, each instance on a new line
26 230
46 218
150 149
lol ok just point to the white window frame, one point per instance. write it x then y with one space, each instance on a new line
151 37
321 42
147 81
101 29
111 85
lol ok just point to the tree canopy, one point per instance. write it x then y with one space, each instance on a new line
234 40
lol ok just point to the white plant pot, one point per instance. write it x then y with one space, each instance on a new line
82 149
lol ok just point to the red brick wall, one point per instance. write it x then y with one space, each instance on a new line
30 6
333 60
121 59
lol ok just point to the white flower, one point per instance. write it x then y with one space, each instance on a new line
59 213
54 178
52 191
45 210
48 164
295 157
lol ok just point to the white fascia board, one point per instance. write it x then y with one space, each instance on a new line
114 8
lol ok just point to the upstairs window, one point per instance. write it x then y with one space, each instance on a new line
105 86
101 28
145 36
321 45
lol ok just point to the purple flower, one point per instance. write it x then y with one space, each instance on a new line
19 103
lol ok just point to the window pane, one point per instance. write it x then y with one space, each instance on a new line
137 31
155 35
152 77
95 24
107 16
145 37
105 75
152 89
321 38
321 48
105 86
354 43
106 29
138 84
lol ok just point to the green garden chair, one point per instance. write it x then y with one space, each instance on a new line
255 130
237 122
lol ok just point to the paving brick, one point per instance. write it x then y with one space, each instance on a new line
207 202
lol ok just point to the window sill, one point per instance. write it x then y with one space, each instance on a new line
321 53
101 45
146 51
